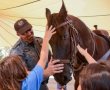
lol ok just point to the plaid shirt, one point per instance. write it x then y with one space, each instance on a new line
29 52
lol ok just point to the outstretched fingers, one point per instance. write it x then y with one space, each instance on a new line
49 32
58 68
52 29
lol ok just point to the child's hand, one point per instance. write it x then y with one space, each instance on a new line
88 57
49 32
81 50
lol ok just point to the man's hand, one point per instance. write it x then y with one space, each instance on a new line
53 68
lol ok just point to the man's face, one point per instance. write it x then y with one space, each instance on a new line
27 36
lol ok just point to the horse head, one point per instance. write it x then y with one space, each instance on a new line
60 43
71 31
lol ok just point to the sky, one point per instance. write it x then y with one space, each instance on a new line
91 12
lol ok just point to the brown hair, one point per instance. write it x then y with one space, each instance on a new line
95 76
12 72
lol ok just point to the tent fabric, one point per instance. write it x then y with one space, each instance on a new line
89 11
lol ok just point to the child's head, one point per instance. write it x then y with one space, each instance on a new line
12 72
95 76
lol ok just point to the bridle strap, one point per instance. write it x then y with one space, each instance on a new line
64 23
69 22
74 29
65 61
92 35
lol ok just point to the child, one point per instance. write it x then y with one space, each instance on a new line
14 74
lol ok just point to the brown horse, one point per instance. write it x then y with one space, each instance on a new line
71 31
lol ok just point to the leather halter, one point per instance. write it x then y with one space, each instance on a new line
72 26
69 22
64 23
65 61
73 42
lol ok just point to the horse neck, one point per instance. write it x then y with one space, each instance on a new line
104 46
85 34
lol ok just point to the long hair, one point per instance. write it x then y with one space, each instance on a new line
12 72
95 76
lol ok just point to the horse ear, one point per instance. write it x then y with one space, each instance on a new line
63 11
48 13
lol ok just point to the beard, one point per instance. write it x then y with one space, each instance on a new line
30 39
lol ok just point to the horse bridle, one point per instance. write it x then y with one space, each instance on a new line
64 23
73 43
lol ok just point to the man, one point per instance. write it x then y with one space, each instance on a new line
29 47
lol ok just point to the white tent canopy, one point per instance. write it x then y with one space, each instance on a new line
90 11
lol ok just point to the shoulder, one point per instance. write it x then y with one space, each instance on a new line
17 48
17 44
35 77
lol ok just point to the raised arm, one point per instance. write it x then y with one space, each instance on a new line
44 50
86 55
